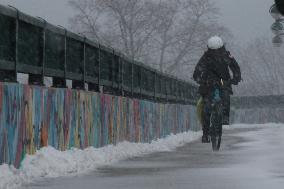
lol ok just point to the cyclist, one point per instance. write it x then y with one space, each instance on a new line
212 73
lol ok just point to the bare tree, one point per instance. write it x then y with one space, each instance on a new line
86 20
123 24
185 27
262 67
167 34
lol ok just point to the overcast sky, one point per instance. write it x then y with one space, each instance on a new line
245 18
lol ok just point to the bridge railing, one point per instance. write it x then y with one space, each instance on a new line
252 102
257 109
33 46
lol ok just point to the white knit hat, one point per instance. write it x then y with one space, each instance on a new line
215 42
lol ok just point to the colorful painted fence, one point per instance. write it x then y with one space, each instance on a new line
32 117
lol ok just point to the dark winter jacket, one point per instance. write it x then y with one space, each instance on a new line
214 66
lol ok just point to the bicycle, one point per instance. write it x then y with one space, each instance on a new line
215 120
216 126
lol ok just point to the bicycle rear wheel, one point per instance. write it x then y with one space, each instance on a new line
216 126
216 142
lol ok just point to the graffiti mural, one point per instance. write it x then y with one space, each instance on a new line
33 117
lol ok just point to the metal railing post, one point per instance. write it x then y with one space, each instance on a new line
43 48
99 76
155 80
140 82
166 90
132 87
16 40
176 90
122 78
65 52
84 63
65 55
61 82
112 67
119 74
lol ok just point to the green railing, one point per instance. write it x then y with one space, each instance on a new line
33 46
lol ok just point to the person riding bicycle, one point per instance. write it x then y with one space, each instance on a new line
212 73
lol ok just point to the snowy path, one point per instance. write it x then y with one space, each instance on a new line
250 158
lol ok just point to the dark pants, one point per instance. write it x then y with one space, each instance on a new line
207 110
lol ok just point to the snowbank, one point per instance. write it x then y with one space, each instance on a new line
50 163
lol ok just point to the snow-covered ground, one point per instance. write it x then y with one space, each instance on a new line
251 157
51 163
